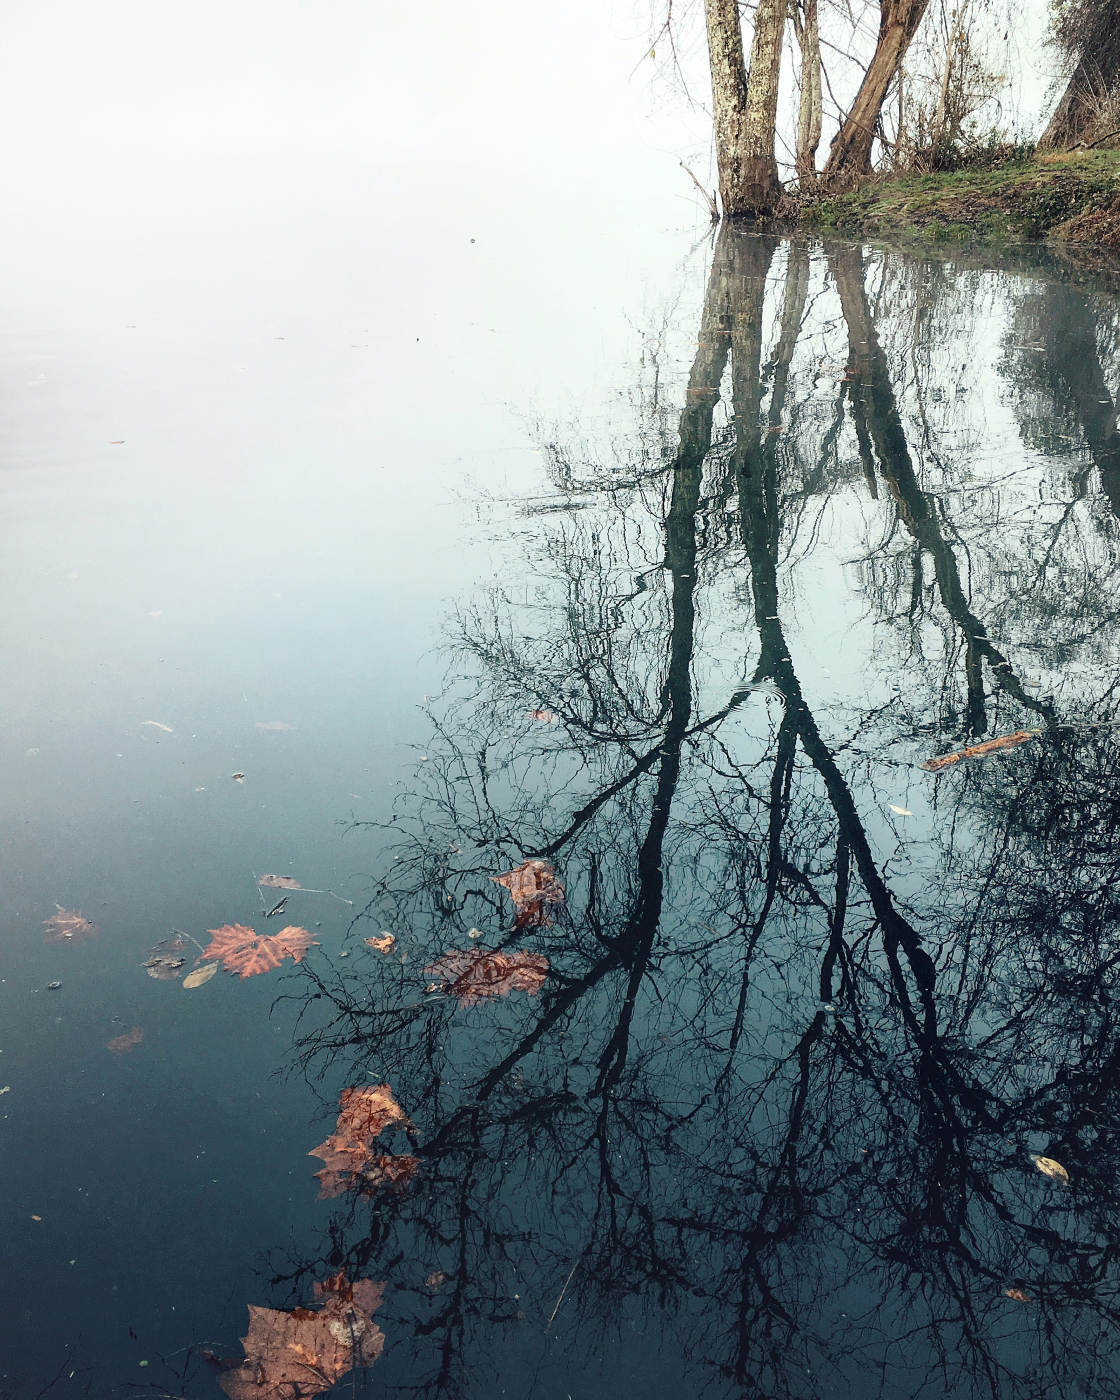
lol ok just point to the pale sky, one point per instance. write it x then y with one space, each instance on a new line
140 110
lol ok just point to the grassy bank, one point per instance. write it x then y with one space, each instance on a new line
1072 198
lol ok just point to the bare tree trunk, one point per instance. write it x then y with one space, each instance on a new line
745 107
729 100
811 108
1076 112
941 116
850 153
762 101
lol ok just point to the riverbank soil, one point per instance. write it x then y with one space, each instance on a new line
1069 197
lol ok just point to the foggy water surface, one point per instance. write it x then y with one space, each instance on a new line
387 567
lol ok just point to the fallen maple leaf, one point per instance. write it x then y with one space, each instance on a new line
533 886
298 1354
1005 741
279 882
473 974
386 1171
368 1111
121 1044
165 962
67 926
1018 1294
243 950
384 944
348 1153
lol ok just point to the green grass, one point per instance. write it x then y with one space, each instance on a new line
1073 197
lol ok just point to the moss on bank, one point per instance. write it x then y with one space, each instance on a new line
1073 198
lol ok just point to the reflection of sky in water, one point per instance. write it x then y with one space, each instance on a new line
301 475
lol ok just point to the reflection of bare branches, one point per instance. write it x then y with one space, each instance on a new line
780 1087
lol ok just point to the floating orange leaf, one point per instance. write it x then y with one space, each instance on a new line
279 882
384 944
348 1153
67 926
1005 741
533 886
542 716
298 1354
1018 1294
242 950
473 974
386 1171
121 1044
366 1112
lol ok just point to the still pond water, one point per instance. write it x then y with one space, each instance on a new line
314 597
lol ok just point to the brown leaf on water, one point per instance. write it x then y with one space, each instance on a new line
1019 1295
989 746
1048 1167
279 882
242 950
122 1044
542 716
166 960
533 885
386 1171
473 974
384 944
67 926
348 1153
199 976
298 1354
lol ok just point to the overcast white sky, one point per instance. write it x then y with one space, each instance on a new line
142 109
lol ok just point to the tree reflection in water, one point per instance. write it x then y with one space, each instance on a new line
774 1108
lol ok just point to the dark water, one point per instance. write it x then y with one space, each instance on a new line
811 1012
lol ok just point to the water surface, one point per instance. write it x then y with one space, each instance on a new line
678 592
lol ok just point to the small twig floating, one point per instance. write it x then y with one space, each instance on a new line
1005 741
556 1309
285 882
184 934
